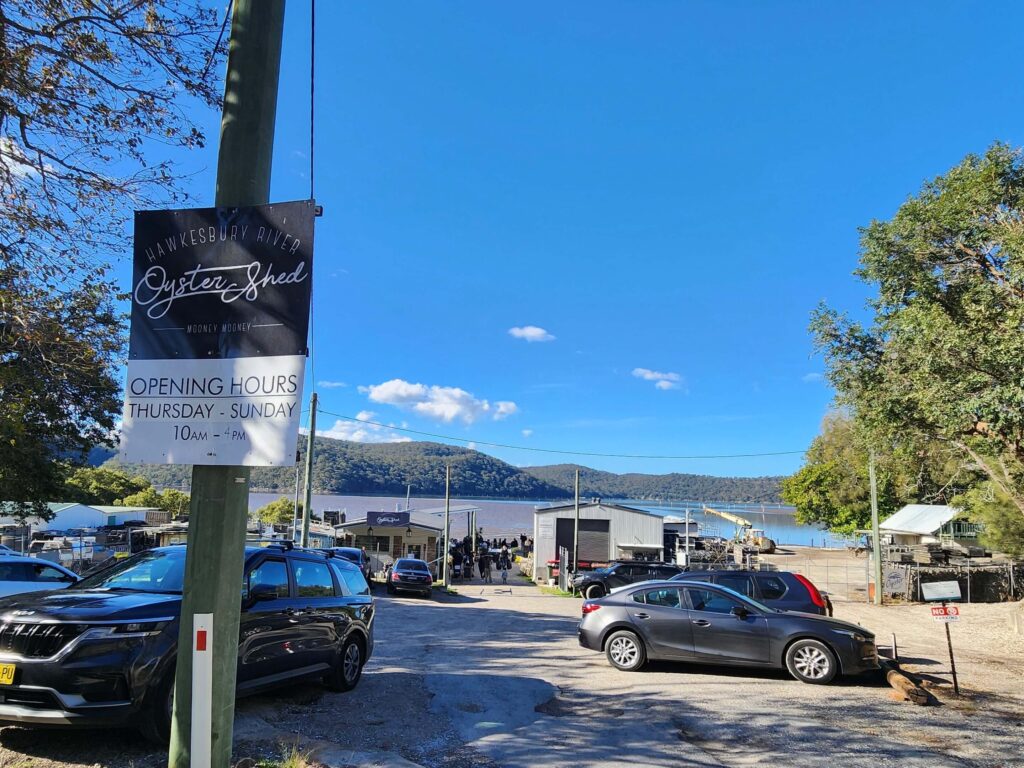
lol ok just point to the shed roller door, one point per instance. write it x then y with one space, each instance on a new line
594 539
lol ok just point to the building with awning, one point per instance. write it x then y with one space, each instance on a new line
388 536
927 524
607 532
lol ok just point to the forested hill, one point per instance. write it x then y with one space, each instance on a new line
342 467
609 485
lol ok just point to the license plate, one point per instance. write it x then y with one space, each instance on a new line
7 674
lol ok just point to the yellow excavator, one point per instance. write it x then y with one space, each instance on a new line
746 534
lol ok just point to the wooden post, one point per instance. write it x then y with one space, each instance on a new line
876 543
308 499
576 527
952 663
218 512
447 520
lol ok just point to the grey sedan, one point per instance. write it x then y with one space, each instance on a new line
706 623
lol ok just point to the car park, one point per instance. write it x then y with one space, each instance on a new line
700 622
410 575
600 582
30 574
777 589
103 651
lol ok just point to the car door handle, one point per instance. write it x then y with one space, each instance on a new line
701 622
641 616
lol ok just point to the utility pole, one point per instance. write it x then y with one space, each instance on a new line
576 529
876 544
218 512
296 518
447 521
308 503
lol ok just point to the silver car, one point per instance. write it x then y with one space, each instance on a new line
706 623
30 574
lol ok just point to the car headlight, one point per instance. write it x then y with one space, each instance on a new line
857 636
139 628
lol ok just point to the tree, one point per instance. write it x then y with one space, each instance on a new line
100 485
278 512
93 99
833 488
1004 526
942 357
58 395
91 95
168 499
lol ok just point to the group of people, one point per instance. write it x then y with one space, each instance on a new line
462 558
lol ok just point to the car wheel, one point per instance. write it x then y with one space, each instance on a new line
625 651
811 661
157 710
348 667
594 591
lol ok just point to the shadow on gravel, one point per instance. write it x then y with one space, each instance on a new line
80 746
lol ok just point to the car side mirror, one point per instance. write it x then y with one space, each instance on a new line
739 612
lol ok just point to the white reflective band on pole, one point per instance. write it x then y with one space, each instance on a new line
202 689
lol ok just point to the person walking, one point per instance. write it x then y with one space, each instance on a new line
504 564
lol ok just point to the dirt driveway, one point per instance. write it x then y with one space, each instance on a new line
494 677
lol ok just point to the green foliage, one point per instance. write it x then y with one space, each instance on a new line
942 358
168 499
102 485
342 467
1004 525
58 394
280 511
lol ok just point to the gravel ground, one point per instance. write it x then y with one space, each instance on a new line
494 677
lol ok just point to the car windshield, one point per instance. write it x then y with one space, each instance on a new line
158 570
354 555
411 565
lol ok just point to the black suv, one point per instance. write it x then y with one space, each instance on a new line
102 652
595 584
776 589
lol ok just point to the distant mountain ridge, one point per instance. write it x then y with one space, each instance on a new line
634 485
341 467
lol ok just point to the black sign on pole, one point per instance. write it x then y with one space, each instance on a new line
219 324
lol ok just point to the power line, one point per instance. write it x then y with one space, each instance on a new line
556 450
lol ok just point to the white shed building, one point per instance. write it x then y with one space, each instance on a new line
927 524
607 532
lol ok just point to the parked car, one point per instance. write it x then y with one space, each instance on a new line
595 584
357 556
410 575
776 589
706 623
102 652
20 574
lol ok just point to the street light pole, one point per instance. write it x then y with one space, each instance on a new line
447 520
218 512
876 544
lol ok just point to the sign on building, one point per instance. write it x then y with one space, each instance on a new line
387 519
940 590
219 323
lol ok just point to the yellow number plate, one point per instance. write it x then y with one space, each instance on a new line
7 674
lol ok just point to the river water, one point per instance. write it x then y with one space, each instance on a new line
501 517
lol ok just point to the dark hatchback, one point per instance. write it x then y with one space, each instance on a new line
777 589
704 623
357 556
102 652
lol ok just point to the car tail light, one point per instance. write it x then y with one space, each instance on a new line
394 575
812 590
590 608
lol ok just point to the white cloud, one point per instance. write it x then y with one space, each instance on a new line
471 446
445 404
530 333
14 159
360 432
811 377
527 432
331 384
662 380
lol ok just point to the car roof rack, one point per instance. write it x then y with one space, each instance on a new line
286 544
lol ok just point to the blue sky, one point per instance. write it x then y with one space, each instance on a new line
662 187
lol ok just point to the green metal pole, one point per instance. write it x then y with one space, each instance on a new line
308 498
218 511
576 528
876 543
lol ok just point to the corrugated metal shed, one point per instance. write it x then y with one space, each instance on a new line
624 532
924 519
